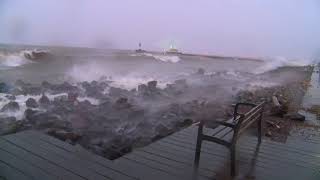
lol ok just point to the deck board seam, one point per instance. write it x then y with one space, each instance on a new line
93 161
44 158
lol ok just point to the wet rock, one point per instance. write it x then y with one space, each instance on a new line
94 89
31 103
44 101
64 88
28 113
12 106
32 90
162 130
152 85
200 71
122 103
118 92
48 120
143 90
78 122
16 91
97 149
136 113
65 135
8 125
11 97
182 83
61 98
46 85
117 147
72 96
178 87
190 108
295 116
85 104
20 83
96 141
4 88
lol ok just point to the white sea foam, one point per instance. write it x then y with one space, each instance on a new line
21 99
130 82
164 58
13 60
274 63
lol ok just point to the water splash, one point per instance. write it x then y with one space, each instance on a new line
13 60
274 63
164 58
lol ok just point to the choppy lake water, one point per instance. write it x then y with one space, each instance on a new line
125 67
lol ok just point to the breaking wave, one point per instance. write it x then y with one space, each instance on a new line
13 60
164 58
274 63
94 72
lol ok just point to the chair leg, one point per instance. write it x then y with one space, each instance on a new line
259 131
233 161
197 154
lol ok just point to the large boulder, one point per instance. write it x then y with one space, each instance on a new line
72 96
44 101
4 88
28 113
122 103
31 103
200 71
118 92
64 135
78 121
178 87
32 90
48 120
12 106
295 116
152 85
94 89
143 90
63 88
46 85
8 125
20 83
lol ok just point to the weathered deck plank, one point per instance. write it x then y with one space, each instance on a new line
36 160
97 168
296 159
33 155
23 166
114 171
9 172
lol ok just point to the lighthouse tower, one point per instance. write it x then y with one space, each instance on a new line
140 50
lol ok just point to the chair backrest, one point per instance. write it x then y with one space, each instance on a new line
245 120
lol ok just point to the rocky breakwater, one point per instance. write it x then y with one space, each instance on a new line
107 120
282 104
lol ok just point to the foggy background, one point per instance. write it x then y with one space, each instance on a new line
255 28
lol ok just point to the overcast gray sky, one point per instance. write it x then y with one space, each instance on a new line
289 28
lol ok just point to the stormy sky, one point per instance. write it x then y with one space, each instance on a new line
257 28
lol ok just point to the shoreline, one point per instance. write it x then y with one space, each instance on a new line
126 119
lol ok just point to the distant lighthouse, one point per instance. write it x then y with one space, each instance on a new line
172 50
140 50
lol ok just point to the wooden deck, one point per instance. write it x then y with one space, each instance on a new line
32 155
